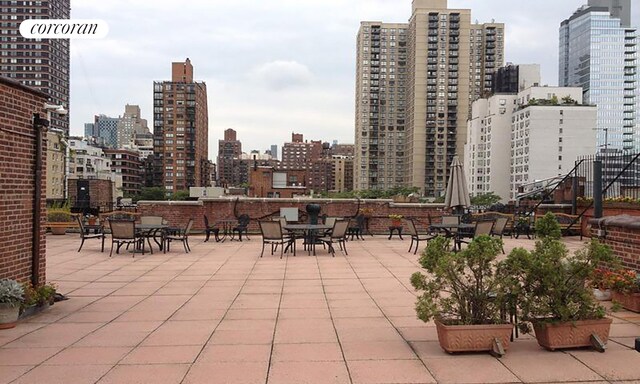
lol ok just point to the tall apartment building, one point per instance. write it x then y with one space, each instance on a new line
487 56
536 134
41 64
381 76
103 131
130 124
598 52
127 164
180 130
408 131
56 162
229 152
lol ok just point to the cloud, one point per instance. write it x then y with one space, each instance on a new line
280 75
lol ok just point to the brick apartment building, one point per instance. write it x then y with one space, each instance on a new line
127 163
181 130
22 190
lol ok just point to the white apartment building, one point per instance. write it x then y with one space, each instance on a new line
89 162
534 135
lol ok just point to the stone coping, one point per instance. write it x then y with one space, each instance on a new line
623 221
202 200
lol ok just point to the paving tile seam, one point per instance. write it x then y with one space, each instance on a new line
275 326
225 313
344 358
387 317
113 320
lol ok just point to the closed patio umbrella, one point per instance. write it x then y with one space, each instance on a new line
457 194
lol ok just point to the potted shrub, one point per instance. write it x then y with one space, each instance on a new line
396 220
11 295
626 289
464 295
553 292
58 217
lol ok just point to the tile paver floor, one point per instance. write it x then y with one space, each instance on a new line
222 314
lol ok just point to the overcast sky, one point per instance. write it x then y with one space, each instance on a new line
272 67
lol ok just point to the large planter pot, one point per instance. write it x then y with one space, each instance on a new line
58 230
572 334
8 315
471 338
630 301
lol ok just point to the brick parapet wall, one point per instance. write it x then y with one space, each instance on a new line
178 213
17 172
622 234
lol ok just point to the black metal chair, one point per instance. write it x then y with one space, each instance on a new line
242 227
211 229
416 236
357 229
482 228
182 235
124 232
85 233
498 228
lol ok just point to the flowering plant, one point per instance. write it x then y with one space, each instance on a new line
395 217
626 281
603 279
366 211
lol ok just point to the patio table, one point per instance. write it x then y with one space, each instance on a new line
459 228
311 232
152 230
227 228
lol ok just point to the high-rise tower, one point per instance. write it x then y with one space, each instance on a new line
180 130
39 63
599 53
414 86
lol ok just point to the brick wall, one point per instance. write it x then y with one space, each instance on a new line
622 234
178 213
17 172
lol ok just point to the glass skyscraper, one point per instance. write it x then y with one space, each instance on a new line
599 53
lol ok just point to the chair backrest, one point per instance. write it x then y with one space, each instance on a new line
206 222
499 226
483 228
271 230
360 219
243 220
188 227
412 227
450 219
151 220
340 228
331 221
81 224
122 229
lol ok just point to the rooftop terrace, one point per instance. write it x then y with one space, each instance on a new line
221 314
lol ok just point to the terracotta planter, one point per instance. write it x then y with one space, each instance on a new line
58 230
630 301
470 338
8 315
396 223
573 334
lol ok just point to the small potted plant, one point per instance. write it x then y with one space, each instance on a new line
553 292
464 295
58 218
396 220
36 299
626 289
11 295
602 282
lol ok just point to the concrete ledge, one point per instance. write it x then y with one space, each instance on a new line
622 221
